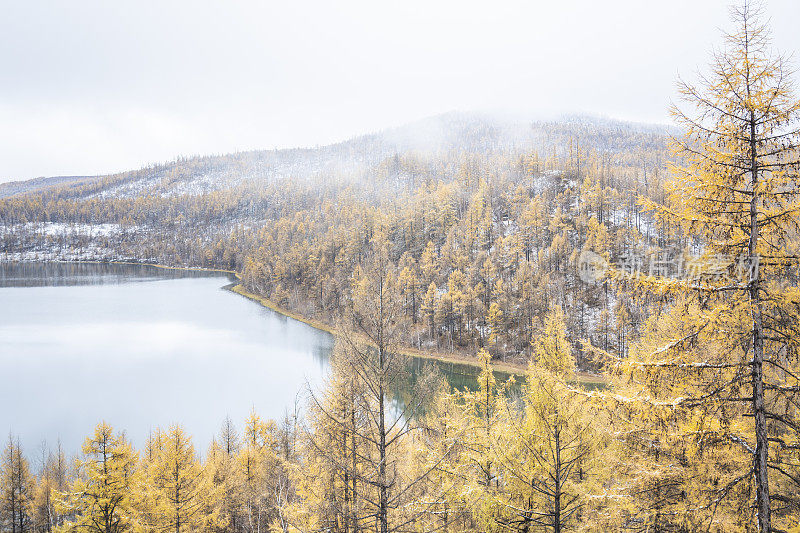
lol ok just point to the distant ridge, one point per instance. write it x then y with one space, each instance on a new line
469 132
13 188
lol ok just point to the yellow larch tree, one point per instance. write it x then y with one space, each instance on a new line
331 481
178 491
551 349
101 496
548 453
479 417
712 390
221 464
17 487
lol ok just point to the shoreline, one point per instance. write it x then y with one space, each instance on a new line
238 288
156 265
412 352
508 368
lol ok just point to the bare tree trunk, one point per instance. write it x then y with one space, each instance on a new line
384 493
353 508
383 505
557 491
761 454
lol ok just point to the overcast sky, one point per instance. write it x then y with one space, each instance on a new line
91 87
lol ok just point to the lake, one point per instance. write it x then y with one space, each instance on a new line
142 347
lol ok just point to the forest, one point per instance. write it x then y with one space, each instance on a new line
474 246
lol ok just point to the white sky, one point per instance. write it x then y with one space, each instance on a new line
90 87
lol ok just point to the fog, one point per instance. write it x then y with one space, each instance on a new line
93 87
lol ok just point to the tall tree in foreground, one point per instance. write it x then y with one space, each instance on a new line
359 436
16 483
717 375
470 421
177 493
547 455
330 481
550 446
101 495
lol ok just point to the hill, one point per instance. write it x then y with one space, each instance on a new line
482 219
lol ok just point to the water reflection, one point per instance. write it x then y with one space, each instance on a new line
73 274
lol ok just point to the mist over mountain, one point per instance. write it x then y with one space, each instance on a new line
355 158
489 199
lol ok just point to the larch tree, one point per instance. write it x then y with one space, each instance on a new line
222 466
17 487
428 309
478 416
100 497
263 464
549 445
551 349
52 480
359 431
333 444
378 368
179 494
712 390
547 453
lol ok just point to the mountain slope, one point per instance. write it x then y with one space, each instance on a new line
351 159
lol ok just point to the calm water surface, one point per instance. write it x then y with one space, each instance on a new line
142 347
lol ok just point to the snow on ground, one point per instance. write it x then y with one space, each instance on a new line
55 229
126 189
86 254
58 241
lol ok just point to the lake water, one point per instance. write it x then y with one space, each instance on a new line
142 347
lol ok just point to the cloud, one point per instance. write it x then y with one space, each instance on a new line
91 86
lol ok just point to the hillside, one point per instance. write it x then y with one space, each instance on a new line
483 220
15 188
452 132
